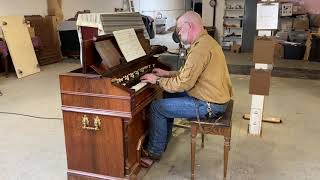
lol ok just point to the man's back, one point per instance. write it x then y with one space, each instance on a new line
214 83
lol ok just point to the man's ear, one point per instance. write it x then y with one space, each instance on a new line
189 25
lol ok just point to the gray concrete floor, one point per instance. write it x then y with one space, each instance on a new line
33 149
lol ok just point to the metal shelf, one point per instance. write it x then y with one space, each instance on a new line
230 27
233 18
234 9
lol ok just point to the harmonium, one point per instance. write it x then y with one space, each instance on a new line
105 106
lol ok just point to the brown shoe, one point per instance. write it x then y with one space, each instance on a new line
146 162
150 155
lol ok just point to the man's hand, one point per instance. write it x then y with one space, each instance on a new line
160 72
149 78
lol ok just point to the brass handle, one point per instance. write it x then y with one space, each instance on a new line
86 123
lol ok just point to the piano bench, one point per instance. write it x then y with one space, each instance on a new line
223 128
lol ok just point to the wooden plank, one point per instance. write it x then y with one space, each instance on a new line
20 45
255 124
264 119
308 47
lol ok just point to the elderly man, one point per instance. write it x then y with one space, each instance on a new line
202 88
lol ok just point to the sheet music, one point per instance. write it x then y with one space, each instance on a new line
267 16
129 44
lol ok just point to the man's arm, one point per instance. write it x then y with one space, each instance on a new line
173 73
163 73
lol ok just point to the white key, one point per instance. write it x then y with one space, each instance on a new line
138 86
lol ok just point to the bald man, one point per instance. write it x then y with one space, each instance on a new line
201 87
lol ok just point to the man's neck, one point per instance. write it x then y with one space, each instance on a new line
196 35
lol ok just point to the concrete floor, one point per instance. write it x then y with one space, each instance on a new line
33 149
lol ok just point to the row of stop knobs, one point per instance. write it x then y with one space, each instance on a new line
133 75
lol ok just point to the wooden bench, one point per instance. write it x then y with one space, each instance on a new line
221 126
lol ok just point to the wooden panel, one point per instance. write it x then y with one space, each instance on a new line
98 152
108 52
146 96
46 29
145 43
96 102
89 55
136 130
19 44
88 32
76 82
76 175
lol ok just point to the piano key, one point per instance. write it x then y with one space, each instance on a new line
138 86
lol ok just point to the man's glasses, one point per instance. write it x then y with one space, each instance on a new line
178 29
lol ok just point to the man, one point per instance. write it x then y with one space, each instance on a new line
202 87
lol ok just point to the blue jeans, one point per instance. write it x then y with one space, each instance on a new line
177 105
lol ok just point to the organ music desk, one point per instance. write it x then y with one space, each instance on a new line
105 110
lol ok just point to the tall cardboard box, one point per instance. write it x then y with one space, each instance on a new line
298 9
300 24
286 24
264 50
279 51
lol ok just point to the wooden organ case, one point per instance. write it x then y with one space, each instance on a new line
105 110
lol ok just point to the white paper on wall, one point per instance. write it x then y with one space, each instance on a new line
267 16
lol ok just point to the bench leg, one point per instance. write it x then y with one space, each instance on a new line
193 149
226 156
202 140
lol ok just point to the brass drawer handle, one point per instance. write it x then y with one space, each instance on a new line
86 122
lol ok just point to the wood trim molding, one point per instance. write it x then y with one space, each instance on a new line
97 111
95 95
81 173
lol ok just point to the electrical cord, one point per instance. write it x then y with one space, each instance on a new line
26 115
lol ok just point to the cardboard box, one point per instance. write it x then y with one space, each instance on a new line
235 48
314 20
278 51
286 24
260 82
263 50
297 9
300 24
282 35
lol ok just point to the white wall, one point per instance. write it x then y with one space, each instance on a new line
219 19
70 7
23 7
207 13
169 8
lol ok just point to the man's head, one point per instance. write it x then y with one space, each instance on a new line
189 27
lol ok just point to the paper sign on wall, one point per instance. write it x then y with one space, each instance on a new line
267 16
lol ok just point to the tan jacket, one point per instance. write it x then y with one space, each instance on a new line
205 74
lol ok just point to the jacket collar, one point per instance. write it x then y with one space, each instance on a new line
204 32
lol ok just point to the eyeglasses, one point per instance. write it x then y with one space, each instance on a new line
179 29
